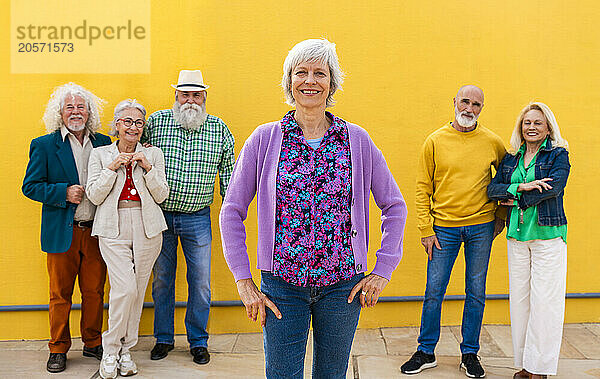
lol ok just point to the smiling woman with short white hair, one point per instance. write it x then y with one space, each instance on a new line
127 182
531 180
312 173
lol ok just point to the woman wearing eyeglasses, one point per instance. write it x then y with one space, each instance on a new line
126 182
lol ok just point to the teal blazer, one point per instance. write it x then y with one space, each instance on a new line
51 169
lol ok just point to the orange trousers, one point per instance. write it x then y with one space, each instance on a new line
82 260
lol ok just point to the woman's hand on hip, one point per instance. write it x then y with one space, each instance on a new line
369 287
255 301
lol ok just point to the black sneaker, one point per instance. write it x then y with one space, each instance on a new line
473 369
418 362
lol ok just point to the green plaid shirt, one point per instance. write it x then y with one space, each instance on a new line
192 159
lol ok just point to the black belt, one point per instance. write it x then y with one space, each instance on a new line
84 224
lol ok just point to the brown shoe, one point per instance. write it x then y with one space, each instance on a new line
523 374
538 376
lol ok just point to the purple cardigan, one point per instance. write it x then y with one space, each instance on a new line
255 172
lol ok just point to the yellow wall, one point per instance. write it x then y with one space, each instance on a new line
404 62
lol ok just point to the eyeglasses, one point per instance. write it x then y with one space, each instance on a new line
129 122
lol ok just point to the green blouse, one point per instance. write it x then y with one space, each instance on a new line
523 224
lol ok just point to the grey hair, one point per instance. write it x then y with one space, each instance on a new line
312 50
516 140
122 106
52 115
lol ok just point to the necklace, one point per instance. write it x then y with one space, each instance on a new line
521 211
128 172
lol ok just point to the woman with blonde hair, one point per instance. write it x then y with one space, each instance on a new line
126 182
531 181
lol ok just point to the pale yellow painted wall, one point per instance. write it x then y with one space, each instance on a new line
404 62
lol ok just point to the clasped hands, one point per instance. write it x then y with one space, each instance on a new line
75 192
256 302
126 158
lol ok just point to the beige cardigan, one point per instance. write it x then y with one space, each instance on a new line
104 187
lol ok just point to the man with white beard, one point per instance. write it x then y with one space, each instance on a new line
453 208
56 176
197 146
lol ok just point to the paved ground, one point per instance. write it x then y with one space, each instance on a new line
377 353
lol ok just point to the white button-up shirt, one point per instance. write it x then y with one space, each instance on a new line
81 153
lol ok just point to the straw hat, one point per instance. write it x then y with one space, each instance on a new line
190 80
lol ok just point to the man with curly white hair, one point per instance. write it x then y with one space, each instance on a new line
56 177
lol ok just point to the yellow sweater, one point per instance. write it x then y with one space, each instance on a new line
452 178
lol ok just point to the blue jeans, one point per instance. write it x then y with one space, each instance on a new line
477 241
194 231
334 322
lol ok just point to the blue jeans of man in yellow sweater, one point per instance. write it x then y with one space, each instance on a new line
477 240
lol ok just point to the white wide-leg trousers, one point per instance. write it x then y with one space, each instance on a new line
537 272
129 260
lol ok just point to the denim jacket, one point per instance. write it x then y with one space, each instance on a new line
550 163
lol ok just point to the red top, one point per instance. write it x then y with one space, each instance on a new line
129 192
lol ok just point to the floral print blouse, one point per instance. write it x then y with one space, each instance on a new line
313 198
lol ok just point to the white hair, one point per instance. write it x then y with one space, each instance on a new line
52 116
516 140
122 106
312 50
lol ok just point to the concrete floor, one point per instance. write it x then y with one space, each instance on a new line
376 353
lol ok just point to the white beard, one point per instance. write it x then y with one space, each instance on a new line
463 121
190 116
74 128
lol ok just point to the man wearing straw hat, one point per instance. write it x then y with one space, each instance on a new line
197 147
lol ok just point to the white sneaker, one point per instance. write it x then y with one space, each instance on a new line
108 366
127 366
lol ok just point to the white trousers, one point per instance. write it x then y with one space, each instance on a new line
538 278
129 260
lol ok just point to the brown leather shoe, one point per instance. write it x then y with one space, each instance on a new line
524 374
